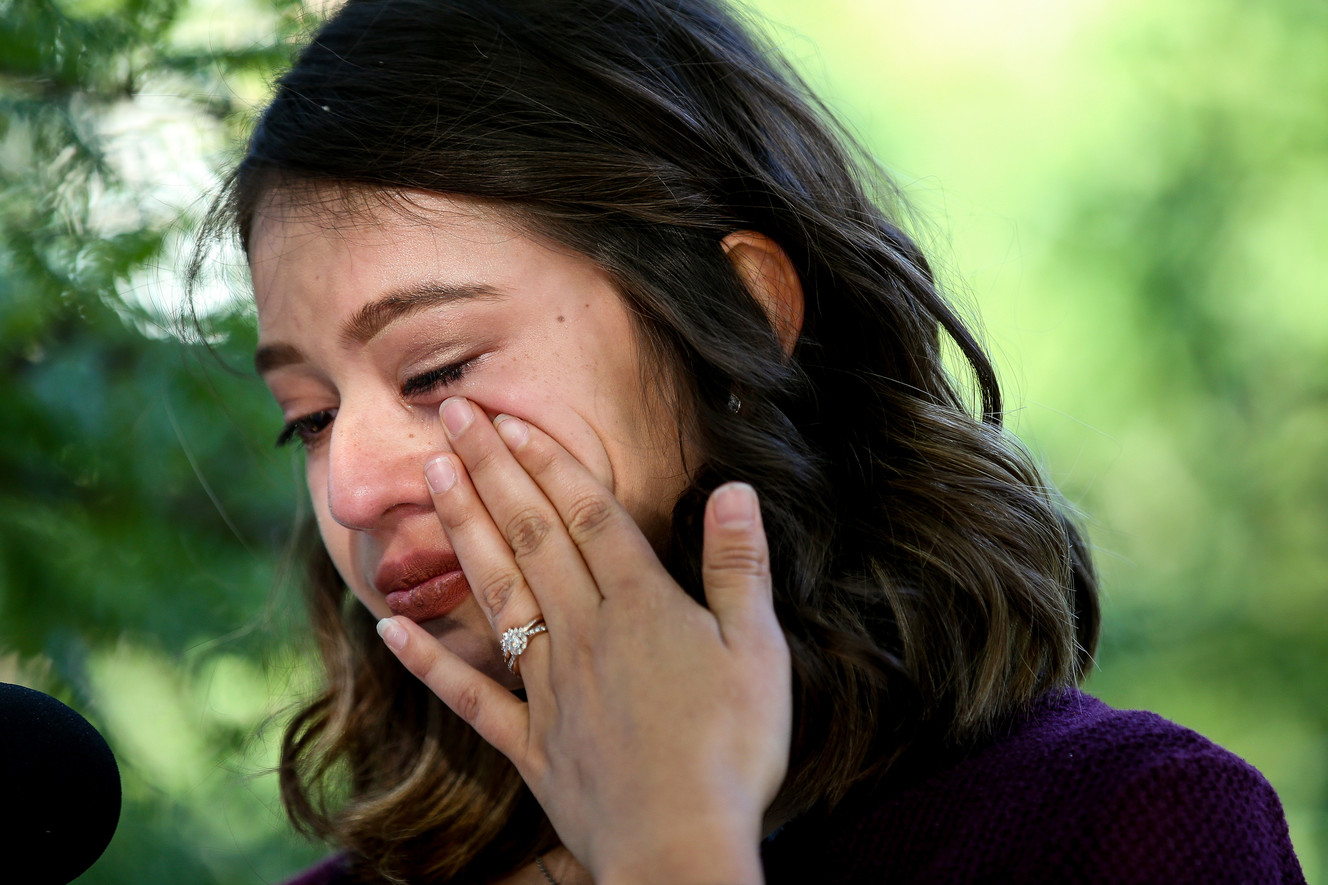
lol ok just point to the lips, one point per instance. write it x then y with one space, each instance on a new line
423 586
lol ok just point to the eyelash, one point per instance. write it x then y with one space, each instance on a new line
306 429
426 382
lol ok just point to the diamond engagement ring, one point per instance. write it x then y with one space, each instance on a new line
516 639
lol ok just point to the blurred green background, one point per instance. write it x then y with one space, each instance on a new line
1131 194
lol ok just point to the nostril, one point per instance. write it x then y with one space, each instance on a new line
375 468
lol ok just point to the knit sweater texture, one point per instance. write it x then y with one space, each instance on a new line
1074 793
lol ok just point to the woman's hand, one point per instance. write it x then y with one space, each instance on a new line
656 731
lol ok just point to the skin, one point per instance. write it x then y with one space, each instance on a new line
657 730
547 346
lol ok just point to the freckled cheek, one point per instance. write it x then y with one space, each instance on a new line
565 409
316 481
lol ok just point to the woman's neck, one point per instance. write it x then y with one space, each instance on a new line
562 867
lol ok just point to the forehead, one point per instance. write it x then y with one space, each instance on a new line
333 255
314 241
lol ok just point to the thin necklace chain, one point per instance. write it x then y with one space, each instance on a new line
539 862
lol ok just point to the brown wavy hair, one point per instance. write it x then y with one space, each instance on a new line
927 577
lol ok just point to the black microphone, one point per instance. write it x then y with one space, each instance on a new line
59 790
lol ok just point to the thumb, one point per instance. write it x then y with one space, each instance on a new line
735 561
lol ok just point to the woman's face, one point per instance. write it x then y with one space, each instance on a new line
369 319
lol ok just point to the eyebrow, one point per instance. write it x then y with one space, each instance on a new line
375 316
274 356
371 319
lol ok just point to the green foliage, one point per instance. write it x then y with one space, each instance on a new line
142 520
1132 193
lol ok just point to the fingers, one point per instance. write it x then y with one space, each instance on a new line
496 582
489 708
561 531
735 564
503 529
611 545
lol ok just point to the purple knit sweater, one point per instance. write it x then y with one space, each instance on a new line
1075 792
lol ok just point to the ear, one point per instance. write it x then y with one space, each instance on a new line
768 273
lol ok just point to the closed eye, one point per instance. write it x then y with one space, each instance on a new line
427 382
307 429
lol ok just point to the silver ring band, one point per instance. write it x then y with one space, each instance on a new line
515 640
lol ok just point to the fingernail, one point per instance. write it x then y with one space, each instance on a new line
735 505
440 474
393 634
513 430
457 415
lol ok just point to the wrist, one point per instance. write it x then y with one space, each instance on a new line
686 859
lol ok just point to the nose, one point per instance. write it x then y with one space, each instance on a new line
375 464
